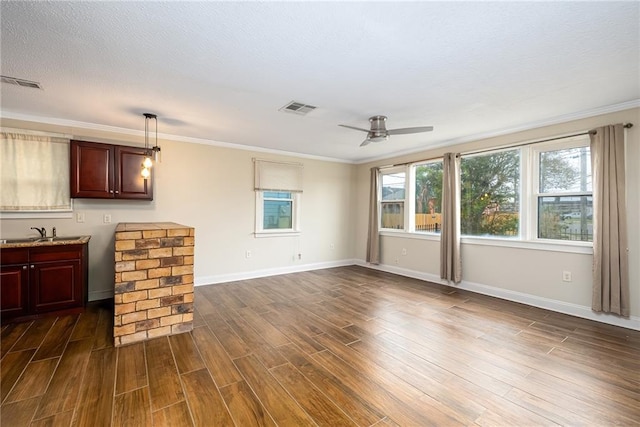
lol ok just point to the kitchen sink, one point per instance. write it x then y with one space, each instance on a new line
58 238
21 240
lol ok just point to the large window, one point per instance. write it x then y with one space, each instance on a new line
393 193
563 193
538 192
490 202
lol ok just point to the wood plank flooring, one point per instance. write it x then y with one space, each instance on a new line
342 346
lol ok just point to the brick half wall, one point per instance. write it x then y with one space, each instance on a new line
153 281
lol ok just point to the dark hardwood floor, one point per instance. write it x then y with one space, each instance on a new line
343 346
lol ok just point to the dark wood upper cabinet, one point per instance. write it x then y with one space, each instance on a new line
105 171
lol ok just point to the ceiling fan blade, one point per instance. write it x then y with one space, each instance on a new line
410 130
353 127
365 142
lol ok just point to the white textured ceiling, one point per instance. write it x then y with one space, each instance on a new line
219 71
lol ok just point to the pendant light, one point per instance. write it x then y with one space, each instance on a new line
147 163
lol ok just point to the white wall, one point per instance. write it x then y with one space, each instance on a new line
527 275
211 189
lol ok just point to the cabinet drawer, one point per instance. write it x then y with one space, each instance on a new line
55 253
14 256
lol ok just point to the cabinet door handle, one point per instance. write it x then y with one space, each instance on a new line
117 192
24 267
33 266
110 191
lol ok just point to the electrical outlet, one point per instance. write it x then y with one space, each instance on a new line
397 261
79 216
106 218
566 276
404 251
299 256
247 254
332 246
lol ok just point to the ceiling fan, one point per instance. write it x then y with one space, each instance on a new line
379 132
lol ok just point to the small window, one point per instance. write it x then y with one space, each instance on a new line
428 194
35 175
392 200
278 188
277 212
564 193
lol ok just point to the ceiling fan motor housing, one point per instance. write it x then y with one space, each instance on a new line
378 124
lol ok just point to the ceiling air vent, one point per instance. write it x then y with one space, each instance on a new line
21 82
298 108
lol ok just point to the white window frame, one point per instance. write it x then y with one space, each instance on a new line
295 230
521 212
529 181
412 192
534 187
406 201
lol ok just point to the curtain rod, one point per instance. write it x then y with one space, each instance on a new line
485 150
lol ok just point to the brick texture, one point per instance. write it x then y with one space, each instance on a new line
153 281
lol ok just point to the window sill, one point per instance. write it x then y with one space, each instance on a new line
279 233
36 214
549 246
407 235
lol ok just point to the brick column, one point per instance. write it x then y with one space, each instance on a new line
153 281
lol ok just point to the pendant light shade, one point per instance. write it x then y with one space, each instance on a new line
147 163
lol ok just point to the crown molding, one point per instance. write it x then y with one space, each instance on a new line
165 136
506 131
464 139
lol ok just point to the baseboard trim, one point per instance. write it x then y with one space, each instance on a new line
536 301
245 275
100 295
554 305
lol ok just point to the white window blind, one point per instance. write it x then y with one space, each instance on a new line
34 173
278 176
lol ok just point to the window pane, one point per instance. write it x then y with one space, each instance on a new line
428 197
393 185
277 214
392 215
490 202
565 170
566 218
276 195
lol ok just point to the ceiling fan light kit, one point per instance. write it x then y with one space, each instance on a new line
378 131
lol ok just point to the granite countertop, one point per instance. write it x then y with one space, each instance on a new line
46 241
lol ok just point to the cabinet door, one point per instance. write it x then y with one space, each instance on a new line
129 182
14 288
92 173
55 285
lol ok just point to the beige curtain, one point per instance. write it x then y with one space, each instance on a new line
610 256
34 173
450 262
373 239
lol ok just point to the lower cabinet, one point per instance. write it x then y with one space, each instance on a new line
42 279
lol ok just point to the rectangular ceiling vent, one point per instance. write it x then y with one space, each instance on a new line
21 82
298 108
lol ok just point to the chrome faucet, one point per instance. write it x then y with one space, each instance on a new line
42 231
